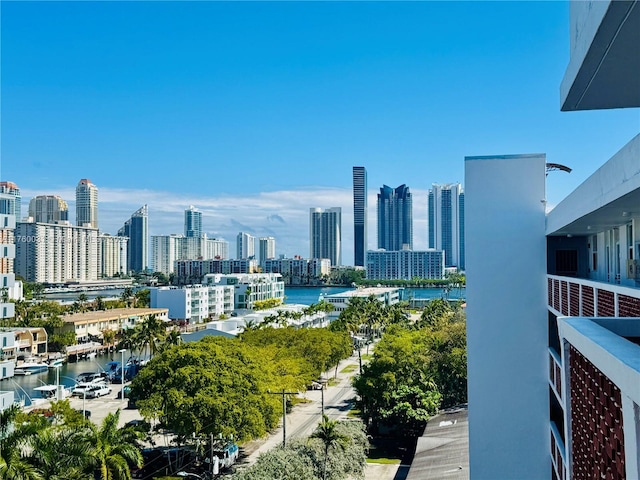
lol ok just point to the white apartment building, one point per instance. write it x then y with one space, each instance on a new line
48 209
86 204
340 301
60 253
167 249
299 271
325 234
267 250
250 287
405 264
245 246
194 303
113 255
446 222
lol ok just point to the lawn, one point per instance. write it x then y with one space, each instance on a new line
349 368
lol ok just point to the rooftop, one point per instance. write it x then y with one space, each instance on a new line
102 315
443 449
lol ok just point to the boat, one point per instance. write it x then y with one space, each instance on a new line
92 377
28 368
58 362
48 392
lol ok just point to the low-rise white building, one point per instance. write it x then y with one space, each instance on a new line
194 303
340 301
250 287
293 315
405 264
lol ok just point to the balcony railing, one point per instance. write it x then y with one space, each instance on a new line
575 297
558 458
555 374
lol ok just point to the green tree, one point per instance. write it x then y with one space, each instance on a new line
328 433
62 454
150 333
114 449
15 437
214 386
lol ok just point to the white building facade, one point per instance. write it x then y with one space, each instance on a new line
194 303
47 253
340 301
113 255
446 222
86 204
405 264
266 250
325 234
245 246
250 288
553 350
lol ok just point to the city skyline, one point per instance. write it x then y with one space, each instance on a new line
172 121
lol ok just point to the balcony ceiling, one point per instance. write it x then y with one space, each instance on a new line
607 76
614 214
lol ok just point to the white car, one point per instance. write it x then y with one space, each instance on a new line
98 390
87 389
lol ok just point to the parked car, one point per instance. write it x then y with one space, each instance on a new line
99 390
82 389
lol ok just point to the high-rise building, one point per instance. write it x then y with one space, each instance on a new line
192 222
10 202
325 234
7 254
113 255
245 246
86 204
48 209
554 300
359 216
446 222
395 218
267 250
136 229
48 253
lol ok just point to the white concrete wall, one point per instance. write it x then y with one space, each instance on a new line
506 317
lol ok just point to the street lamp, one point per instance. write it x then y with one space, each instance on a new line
122 371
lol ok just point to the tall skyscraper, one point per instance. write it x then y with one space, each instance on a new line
267 250
192 222
446 222
48 209
325 234
10 203
395 218
86 204
359 216
245 246
136 229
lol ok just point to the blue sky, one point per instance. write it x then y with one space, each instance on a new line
255 112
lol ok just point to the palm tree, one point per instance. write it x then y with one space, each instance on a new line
114 449
63 454
13 438
330 437
152 330
82 301
127 293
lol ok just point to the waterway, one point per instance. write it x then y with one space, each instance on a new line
23 385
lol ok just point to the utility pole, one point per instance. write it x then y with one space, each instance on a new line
284 413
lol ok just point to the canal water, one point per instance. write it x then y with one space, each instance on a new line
23 385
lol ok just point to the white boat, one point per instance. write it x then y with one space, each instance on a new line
27 368
58 362
48 392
